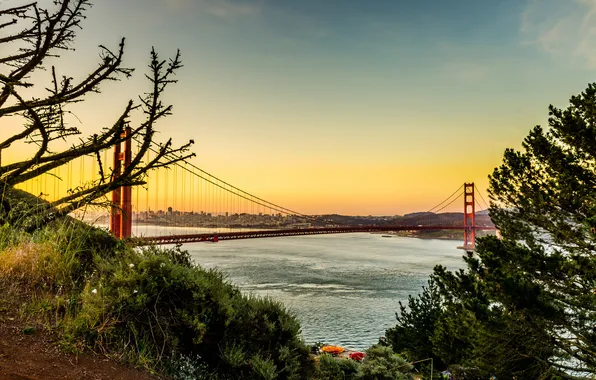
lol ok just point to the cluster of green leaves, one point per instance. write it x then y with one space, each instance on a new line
158 304
416 325
332 368
380 363
525 307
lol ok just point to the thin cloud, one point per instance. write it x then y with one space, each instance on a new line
464 64
469 71
565 29
230 9
220 8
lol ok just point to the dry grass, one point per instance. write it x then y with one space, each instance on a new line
34 265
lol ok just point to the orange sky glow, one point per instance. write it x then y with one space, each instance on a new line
380 109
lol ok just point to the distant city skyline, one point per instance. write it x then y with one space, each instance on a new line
347 107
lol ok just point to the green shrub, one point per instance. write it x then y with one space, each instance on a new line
36 266
189 368
381 363
333 368
161 306
264 326
263 369
85 244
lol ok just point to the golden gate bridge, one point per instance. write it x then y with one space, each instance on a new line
200 199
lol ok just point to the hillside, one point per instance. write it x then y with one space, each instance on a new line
413 219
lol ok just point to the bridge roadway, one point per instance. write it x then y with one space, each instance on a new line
215 237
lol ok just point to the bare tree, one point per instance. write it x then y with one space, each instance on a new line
29 36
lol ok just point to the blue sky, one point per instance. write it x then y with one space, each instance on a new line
363 107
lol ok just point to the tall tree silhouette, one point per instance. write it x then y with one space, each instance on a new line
525 306
29 36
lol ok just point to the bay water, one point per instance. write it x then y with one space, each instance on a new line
343 288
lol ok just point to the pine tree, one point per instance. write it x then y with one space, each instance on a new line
416 324
540 280
525 306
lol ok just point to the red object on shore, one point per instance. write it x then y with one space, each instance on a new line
358 356
333 350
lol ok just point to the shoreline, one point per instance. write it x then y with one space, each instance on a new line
394 235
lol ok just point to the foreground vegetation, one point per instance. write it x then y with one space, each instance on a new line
151 307
154 308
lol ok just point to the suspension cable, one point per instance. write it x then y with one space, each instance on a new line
244 195
481 197
449 197
447 205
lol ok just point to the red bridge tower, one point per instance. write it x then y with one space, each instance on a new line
121 214
469 216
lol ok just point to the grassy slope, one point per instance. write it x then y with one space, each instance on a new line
150 307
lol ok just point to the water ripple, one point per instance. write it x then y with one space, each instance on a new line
344 289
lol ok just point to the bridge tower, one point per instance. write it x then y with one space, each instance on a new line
469 216
121 213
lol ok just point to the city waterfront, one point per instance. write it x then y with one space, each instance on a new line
343 288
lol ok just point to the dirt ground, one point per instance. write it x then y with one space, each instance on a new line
35 356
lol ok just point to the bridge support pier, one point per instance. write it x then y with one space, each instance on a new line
469 217
121 212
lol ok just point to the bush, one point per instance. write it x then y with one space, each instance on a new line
381 363
161 306
85 244
10 237
332 368
189 368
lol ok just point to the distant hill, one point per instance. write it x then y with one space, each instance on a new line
418 214
412 219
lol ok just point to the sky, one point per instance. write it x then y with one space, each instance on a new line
345 106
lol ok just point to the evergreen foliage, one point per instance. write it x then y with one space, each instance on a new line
337 369
416 324
381 363
545 205
525 307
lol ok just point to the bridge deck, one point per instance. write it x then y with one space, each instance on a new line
215 237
